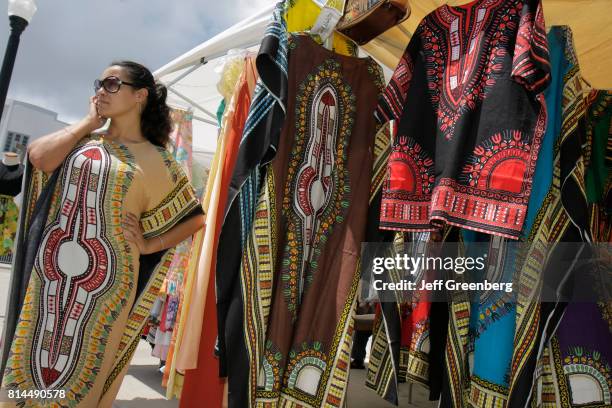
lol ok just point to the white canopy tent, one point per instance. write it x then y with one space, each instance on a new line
192 79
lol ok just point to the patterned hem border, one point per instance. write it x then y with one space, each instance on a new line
414 367
474 228
485 394
457 205
394 226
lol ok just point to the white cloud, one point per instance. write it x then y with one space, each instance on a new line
69 42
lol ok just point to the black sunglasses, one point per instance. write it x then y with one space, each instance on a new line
111 84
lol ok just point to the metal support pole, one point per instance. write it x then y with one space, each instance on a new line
193 104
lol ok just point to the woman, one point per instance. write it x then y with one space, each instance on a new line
118 202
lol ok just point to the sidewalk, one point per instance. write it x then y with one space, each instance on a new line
141 387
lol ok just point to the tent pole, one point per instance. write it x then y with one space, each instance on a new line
192 103
189 71
201 119
219 54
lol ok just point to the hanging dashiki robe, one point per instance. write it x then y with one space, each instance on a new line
258 147
467 96
471 116
313 206
415 343
90 291
493 313
258 143
491 325
408 337
576 365
563 217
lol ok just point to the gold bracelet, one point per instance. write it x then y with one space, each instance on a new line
161 241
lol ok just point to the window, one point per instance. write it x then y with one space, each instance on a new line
9 142
13 139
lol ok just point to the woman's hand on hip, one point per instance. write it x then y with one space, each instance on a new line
133 232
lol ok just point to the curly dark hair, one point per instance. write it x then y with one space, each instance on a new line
155 121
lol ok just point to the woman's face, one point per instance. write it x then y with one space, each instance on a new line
126 100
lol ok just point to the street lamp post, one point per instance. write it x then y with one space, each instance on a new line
20 13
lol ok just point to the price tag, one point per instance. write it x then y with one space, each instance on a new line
326 23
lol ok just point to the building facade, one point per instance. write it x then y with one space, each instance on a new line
23 122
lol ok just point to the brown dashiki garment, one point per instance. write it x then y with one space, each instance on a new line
467 95
299 267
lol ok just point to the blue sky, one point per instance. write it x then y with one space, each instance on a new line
69 42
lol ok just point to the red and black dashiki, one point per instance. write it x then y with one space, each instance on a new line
467 96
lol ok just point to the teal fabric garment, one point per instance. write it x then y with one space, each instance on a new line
220 111
542 179
492 322
493 325
492 314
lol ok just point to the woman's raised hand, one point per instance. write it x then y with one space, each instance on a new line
93 118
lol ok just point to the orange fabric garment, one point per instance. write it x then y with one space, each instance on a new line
235 134
203 382
202 386
196 290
